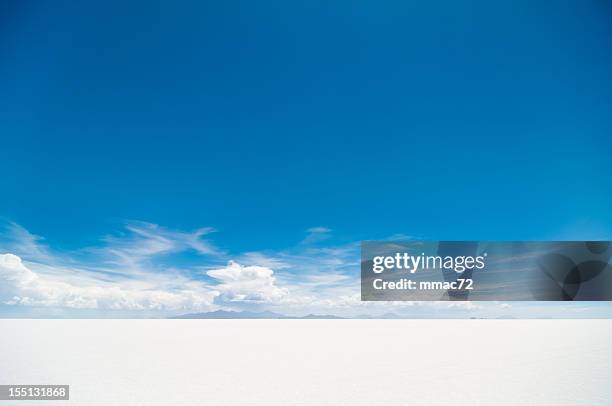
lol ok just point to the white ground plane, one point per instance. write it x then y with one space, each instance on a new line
313 362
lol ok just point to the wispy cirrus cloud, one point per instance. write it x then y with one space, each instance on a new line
144 267
122 273
23 286
316 234
141 242
19 240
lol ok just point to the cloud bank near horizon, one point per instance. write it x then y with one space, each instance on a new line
136 270
152 270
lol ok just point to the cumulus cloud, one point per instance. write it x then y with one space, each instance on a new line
22 286
247 283
149 267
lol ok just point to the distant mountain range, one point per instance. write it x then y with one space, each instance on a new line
229 314
224 314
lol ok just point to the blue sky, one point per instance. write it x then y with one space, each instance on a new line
264 120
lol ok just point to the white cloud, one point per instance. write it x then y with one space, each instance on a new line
145 241
247 283
21 241
318 230
22 286
137 270
326 278
316 234
261 259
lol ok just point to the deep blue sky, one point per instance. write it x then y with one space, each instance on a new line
443 119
